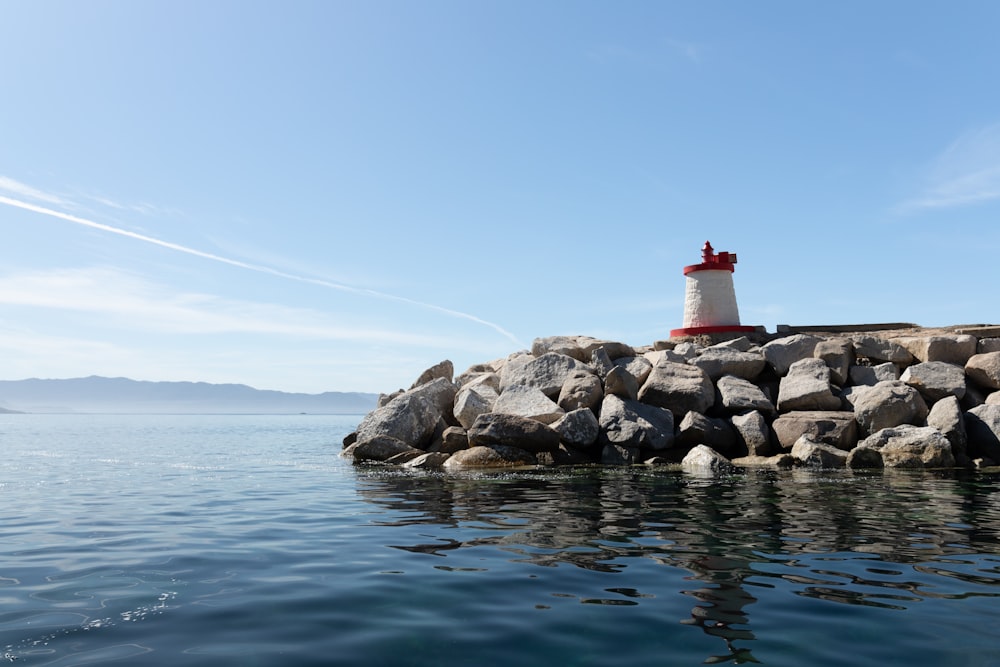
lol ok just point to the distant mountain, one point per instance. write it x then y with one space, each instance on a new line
122 395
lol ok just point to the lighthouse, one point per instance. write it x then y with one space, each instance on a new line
709 297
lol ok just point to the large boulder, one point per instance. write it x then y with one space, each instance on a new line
494 429
807 387
946 416
908 446
528 402
378 448
579 347
988 345
817 454
984 370
678 388
888 404
838 354
547 373
982 425
874 348
784 352
870 376
734 394
697 429
638 367
578 428
581 390
952 349
411 417
444 369
635 424
719 361
496 456
705 460
621 383
936 379
472 401
753 433
837 428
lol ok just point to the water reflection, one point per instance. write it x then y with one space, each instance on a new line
884 540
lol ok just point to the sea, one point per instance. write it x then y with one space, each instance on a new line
247 540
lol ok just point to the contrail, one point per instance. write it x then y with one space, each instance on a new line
252 267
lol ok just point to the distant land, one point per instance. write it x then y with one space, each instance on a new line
97 394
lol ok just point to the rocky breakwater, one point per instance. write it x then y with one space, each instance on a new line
860 400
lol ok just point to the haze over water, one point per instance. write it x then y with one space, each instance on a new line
246 540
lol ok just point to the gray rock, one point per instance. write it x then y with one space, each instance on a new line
888 404
578 428
705 460
453 439
528 402
472 401
600 362
993 398
952 349
807 387
687 350
475 379
579 347
496 456
428 461
936 379
741 344
635 424
908 446
836 428
411 417
988 345
734 394
638 367
777 461
871 375
621 383
719 361
838 354
982 425
377 448
494 429
817 454
946 416
697 429
984 370
879 349
547 373
784 352
581 390
619 455
678 388
444 369
753 432
864 457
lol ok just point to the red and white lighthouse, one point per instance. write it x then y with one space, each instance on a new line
709 296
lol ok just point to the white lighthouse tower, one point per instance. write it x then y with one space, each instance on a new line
709 297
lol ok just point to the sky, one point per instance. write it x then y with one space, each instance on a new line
335 195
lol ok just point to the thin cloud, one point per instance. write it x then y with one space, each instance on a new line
966 173
19 189
132 303
249 267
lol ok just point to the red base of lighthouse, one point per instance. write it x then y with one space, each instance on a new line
694 331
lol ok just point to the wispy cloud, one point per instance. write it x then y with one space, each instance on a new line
18 189
966 172
78 220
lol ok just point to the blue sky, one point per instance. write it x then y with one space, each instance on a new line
335 195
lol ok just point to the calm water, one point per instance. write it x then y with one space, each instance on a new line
245 540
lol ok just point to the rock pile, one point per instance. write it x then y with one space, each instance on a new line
860 400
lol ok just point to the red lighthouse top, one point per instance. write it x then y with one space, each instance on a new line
712 261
